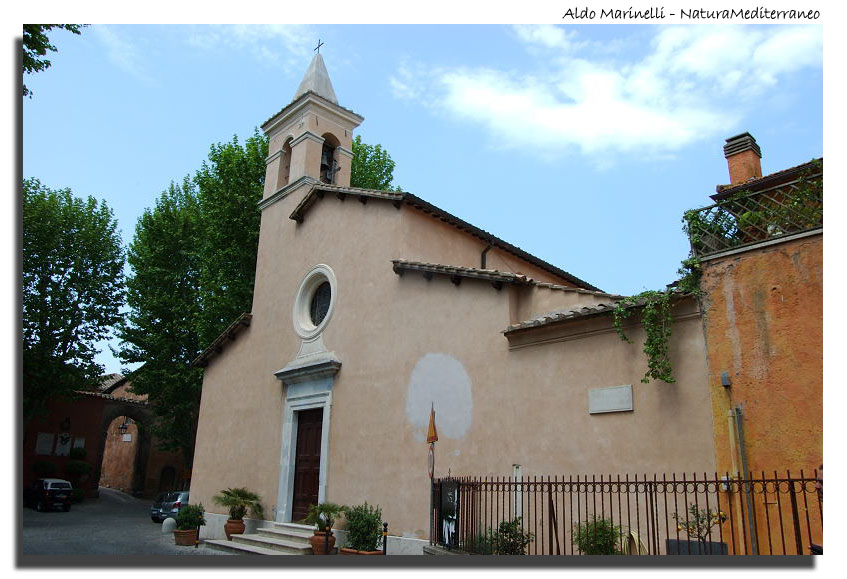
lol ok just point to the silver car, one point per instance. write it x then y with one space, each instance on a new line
168 505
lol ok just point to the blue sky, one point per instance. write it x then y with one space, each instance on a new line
581 144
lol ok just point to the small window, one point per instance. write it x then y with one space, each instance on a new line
320 303
315 302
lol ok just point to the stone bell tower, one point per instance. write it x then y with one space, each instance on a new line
310 140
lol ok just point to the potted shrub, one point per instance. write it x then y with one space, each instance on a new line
364 530
598 537
323 517
239 501
697 524
188 523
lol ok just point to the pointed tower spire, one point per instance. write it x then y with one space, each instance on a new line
317 80
311 139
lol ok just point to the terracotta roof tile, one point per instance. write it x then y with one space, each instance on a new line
724 191
110 397
492 275
562 315
217 346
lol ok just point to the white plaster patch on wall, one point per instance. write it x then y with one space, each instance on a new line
439 379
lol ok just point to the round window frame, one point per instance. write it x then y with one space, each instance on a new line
303 325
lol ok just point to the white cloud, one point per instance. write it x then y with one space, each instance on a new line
122 53
547 35
285 45
690 84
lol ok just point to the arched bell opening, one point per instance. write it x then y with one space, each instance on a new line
284 175
329 158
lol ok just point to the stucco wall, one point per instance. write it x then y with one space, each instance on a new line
406 343
764 321
84 420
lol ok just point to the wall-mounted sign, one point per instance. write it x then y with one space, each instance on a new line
610 399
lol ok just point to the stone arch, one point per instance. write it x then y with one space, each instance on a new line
142 415
167 479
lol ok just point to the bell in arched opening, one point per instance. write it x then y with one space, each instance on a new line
329 166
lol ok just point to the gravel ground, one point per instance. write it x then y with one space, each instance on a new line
114 524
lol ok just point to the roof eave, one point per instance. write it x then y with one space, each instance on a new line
219 343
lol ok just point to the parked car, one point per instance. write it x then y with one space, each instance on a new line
168 505
156 508
49 493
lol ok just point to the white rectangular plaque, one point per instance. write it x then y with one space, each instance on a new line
610 399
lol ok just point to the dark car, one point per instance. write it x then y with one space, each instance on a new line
168 505
156 508
49 493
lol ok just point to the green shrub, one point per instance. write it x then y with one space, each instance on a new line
508 539
597 537
364 527
77 468
77 495
44 468
482 545
78 453
190 517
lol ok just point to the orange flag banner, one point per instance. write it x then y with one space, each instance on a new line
432 433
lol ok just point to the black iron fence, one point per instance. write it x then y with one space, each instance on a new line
753 514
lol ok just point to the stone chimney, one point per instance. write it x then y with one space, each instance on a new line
743 157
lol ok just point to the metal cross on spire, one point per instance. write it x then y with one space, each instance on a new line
318 47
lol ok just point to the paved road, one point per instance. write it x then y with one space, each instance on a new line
114 524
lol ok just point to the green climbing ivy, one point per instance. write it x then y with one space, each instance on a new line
656 319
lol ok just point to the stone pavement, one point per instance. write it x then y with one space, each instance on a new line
114 524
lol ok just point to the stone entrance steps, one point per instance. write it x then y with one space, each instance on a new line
279 539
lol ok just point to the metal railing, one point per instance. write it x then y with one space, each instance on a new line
753 514
747 218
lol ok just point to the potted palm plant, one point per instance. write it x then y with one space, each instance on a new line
239 501
188 523
364 530
323 517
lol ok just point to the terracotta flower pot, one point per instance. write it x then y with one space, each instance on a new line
346 551
233 527
319 543
185 538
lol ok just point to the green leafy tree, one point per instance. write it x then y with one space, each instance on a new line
372 166
72 291
193 259
36 44
161 328
229 188
194 262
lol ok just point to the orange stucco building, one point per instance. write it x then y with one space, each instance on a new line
763 322
763 305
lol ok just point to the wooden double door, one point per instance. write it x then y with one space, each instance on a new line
307 463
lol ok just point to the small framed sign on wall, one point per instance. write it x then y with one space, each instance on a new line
610 399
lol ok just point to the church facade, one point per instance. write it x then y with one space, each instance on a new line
372 307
